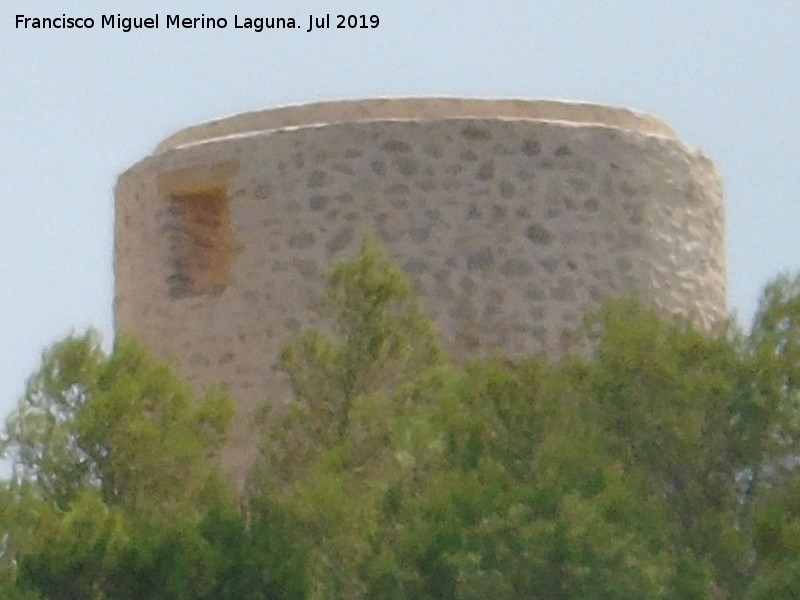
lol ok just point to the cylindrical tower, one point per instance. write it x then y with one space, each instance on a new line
511 218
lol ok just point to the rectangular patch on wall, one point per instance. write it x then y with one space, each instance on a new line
201 252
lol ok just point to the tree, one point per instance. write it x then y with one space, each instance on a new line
669 399
380 340
662 466
514 494
654 468
412 478
319 458
773 482
125 425
115 490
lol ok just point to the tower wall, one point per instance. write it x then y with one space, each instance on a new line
511 218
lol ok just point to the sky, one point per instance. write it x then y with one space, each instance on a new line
79 106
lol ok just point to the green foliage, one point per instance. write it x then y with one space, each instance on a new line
665 466
515 497
641 473
125 425
115 491
327 455
82 546
380 339
777 542
666 396
773 350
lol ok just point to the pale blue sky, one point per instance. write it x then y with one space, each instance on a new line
78 107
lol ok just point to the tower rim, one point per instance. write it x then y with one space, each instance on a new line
417 109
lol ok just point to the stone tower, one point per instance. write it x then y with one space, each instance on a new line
511 218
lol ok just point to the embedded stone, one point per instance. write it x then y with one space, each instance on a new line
263 190
507 189
471 132
301 240
378 167
539 234
407 166
396 146
340 239
531 148
415 265
486 171
562 151
317 202
482 259
316 179
469 156
516 267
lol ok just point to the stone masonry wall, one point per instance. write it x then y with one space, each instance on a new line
510 228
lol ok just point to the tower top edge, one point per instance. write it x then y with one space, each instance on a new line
417 109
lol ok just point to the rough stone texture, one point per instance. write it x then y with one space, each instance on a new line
511 218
